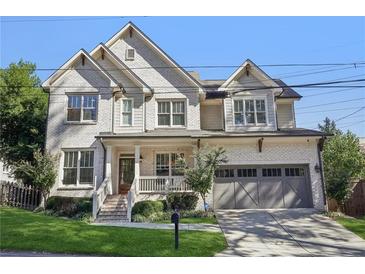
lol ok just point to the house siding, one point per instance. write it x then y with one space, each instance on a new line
247 82
285 115
166 82
132 92
211 117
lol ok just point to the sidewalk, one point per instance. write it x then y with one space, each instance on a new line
200 227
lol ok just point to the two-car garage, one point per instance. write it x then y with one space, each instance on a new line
274 186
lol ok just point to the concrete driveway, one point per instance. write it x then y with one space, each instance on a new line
289 232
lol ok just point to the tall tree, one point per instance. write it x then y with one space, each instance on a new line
23 110
329 127
343 160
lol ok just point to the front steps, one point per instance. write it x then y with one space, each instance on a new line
114 210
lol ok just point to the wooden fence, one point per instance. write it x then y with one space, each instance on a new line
15 195
355 206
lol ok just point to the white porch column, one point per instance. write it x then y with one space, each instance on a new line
137 156
108 165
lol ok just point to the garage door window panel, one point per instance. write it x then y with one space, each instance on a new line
271 172
247 172
294 172
224 173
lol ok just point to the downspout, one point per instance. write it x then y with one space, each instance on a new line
46 122
319 149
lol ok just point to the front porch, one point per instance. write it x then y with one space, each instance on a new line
141 171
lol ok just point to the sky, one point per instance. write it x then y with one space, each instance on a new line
198 41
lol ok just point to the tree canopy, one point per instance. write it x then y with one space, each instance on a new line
23 111
201 176
343 160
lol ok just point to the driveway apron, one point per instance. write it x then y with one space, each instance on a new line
289 232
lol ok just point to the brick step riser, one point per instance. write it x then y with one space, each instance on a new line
107 220
113 215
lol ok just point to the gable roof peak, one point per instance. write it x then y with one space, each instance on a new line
68 66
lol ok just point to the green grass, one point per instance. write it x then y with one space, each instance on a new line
201 220
357 226
28 231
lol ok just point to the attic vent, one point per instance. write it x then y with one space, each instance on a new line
129 54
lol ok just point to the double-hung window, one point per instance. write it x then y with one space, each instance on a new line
127 110
168 164
249 111
78 167
171 113
81 108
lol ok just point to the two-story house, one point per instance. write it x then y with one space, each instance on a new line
120 115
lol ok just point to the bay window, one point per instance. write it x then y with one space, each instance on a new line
81 108
78 167
249 111
171 113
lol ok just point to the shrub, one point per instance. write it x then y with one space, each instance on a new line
147 208
182 201
166 216
69 206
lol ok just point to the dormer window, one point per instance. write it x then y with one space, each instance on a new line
249 112
129 54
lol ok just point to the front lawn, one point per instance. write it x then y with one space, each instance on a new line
27 231
357 226
197 220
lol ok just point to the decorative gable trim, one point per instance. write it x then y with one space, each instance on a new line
130 27
105 51
250 67
84 55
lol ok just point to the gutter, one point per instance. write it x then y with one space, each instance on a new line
319 149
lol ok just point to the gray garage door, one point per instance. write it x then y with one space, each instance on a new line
262 187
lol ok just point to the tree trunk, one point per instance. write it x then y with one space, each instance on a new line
204 203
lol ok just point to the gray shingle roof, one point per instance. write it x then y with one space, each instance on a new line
176 133
288 92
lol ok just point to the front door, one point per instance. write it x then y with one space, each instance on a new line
126 174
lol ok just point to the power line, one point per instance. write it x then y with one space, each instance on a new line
353 64
328 92
329 84
354 123
327 110
310 123
352 113
332 103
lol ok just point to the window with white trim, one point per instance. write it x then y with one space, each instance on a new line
167 164
127 112
78 167
171 113
249 111
81 108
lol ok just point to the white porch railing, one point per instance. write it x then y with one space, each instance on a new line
162 184
100 194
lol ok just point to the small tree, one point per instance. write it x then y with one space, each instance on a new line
41 172
343 162
201 176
